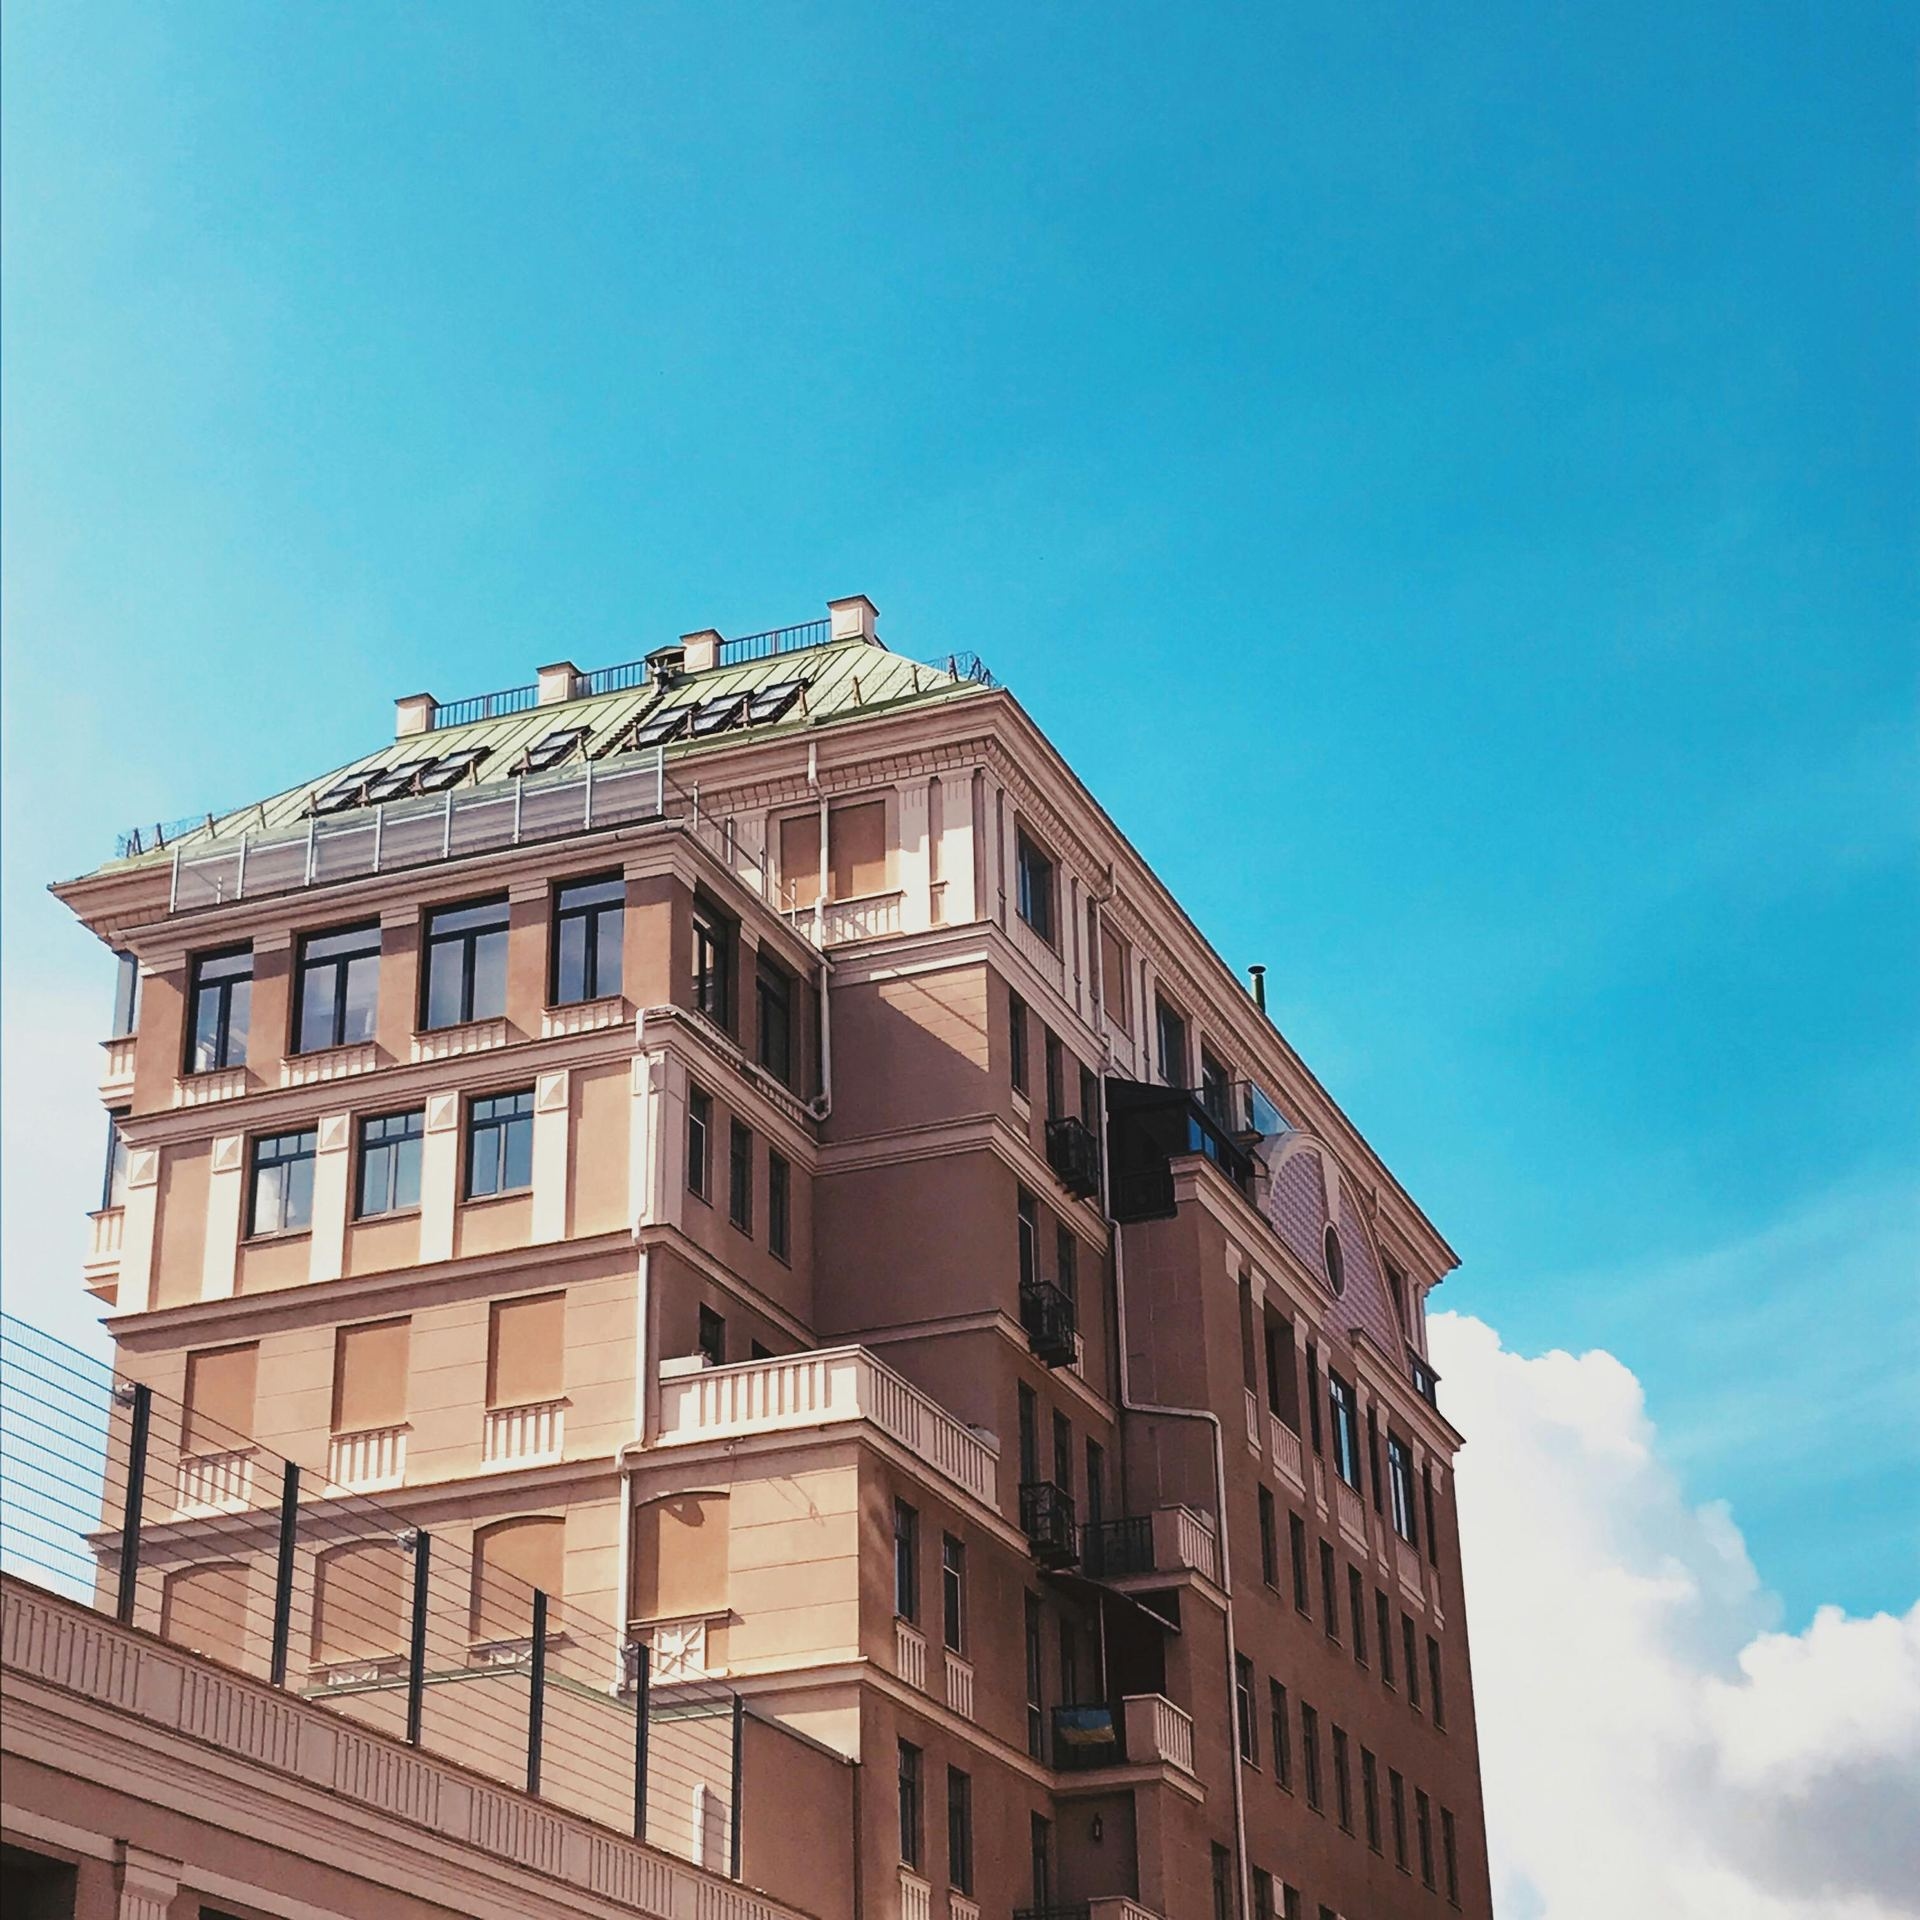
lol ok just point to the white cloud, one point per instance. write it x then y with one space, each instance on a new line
1651 1743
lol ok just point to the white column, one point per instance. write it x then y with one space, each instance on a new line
552 1141
138 1221
226 1191
956 846
915 872
439 1176
332 1178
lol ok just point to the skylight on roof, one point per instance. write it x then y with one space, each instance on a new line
338 798
451 768
550 749
772 703
717 714
390 783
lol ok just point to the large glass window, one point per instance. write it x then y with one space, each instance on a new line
699 1136
1346 1429
126 995
713 964
779 1206
589 924
953 1592
960 1831
390 1163
773 1012
220 1001
113 1186
1170 1044
906 1561
282 1187
740 1176
910 1826
338 988
1035 874
500 1144
1400 1486
466 969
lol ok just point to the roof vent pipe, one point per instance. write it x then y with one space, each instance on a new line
1258 975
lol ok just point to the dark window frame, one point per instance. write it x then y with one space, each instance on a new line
267 1152
568 907
1036 887
779 1206
773 990
463 941
740 1175
715 940
308 967
960 1831
912 1823
1018 1073
503 1114
223 989
953 1593
391 1149
699 1142
906 1561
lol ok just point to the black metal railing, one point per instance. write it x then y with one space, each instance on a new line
1051 1320
1149 1127
763 646
165 1520
1143 1193
1074 1154
1111 1549
484 706
1426 1383
1086 1735
1046 1517
163 833
621 679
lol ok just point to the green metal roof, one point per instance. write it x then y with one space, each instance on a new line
843 679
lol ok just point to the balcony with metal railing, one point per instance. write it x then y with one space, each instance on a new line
1073 1153
1169 1540
1148 1128
1047 1519
1052 1322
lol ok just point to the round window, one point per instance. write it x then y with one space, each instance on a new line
1336 1263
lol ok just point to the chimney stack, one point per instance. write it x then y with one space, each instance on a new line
557 682
703 649
1258 975
853 619
414 714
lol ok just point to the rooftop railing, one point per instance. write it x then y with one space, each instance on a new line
763 646
484 706
168 1521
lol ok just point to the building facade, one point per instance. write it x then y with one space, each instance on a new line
742 1144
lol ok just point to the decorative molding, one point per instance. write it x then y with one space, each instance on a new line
336 1132
550 1092
443 1112
229 1152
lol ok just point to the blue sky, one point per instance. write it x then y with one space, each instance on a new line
1446 481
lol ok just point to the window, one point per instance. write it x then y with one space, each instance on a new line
370 1375
1262 1894
1040 1848
909 1803
337 988
1400 1486
1346 1429
589 927
1243 1708
1170 1044
219 1399
1313 1395
1357 1613
1017 1041
549 750
1397 1817
1056 1077
906 1561
1310 1754
1370 1797
500 1144
220 1000
390 1163
779 1205
1036 1719
1222 1883
740 1176
1269 1541
1336 1261
1342 1782
1436 1700
1062 1452
1410 1646
699 1132
1283 1384
1096 1484
526 1350
1089 1098
282 1199
1423 1832
1034 872
1029 1446
1373 1460
1069 1666
1214 1087
1066 1252
1383 1619
1329 1593
713 964
466 971
713 1337
1449 1856
1290 1903
1028 1209
773 1016
953 1593
113 1181
1297 1548
1278 1730
126 996
960 1831
1426 1502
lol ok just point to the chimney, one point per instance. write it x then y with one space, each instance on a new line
414 714
853 619
1259 977
702 649
557 682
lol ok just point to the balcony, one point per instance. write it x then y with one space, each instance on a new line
910 1653
1052 1322
1148 1730
116 1067
370 1461
203 1089
1074 1154
959 1684
1155 1729
1168 1540
524 1436
448 1043
212 1483
818 1389
105 1234
1046 1517
1085 1737
1148 1128
1113 1549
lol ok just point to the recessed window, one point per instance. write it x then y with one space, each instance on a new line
1216 1086
713 964
713 1337
390 1163
282 1196
960 1831
338 988
953 1592
1336 1262
1243 1708
550 749
1017 1042
773 1011
465 977
126 995
1400 1487
113 1185
1035 875
1170 1044
779 1206
1310 1754
221 1000
699 1141
906 1561
740 1176
1056 1078
589 925
500 1144
1346 1429
910 1841
1282 1742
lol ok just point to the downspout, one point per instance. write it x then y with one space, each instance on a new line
821 1105
1130 1405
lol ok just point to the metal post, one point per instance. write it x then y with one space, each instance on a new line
283 1577
446 828
519 791
379 822
130 1512
240 874
642 1691
739 1769
586 805
313 827
173 885
537 1691
417 1643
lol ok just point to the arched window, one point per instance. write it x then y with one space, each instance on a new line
511 1558
1336 1262
205 1610
361 1597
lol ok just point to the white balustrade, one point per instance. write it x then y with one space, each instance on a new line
910 1654
959 1685
368 1461
870 917
1353 1512
916 1896
215 1482
203 1089
106 1230
116 1066
583 1016
330 1063
1157 1730
1195 1542
817 1389
446 1043
1285 1444
1407 1558
1116 1906
525 1435
959 1907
